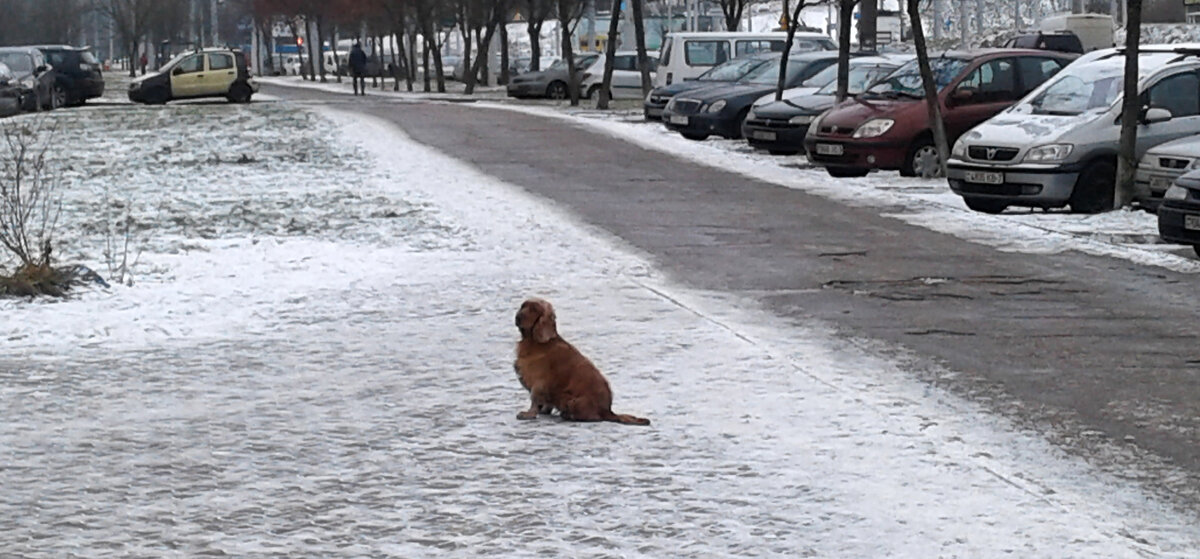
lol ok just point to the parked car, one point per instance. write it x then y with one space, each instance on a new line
10 92
780 126
728 72
1058 146
689 54
1179 214
626 77
522 64
1062 41
77 72
1162 165
551 82
213 72
36 77
720 109
887 127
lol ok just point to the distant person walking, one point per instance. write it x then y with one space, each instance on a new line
358 69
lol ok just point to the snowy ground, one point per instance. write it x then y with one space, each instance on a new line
1127 234
314 360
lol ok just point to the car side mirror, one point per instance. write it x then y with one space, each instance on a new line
1156 114
176 71
41 69
961 96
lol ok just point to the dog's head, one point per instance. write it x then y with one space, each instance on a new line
536 319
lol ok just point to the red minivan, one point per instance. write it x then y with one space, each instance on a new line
887 127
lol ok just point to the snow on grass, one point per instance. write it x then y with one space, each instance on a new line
315 360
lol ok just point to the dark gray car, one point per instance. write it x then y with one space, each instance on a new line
551 82
34 75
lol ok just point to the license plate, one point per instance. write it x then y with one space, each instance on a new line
676 119
762 135
1191 222
984 177
829 149
1160 183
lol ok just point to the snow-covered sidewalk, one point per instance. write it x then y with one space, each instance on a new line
316 362
1131 235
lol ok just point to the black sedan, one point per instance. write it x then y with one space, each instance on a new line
721 109
727 72
1179 214
35 76
77 72
779 127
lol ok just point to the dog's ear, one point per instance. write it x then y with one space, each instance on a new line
545 328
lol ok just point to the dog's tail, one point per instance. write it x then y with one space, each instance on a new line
625 418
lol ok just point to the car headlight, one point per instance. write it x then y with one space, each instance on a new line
815 125
1195 164
959 151
1175 193
716 106
1048 153
649 95
28 83
801 119
873 128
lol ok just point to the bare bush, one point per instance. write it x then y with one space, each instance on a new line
30 201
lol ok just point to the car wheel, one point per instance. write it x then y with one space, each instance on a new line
594 92
240 93
922 161
985 206
846 172
58 98
782 151
157 96
1095 188
557 90
694 136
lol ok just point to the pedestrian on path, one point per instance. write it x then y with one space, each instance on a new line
358 69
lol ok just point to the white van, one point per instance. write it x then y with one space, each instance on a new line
689 54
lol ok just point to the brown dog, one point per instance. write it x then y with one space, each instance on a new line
556 375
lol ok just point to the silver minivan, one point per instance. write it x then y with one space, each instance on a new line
1058 145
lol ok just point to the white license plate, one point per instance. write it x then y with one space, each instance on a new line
762 135
984 177
676 119
1160 183
829 149
1191 222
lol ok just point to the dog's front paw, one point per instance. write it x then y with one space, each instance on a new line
527 414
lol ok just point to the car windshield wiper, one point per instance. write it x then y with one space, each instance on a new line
1041 111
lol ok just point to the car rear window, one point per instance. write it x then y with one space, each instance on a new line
705 53
88 57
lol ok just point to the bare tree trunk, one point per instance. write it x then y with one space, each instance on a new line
504 61
321 50
845 15
412 59
569 54
610 51
1130 106
437 64
931 92
535 45
639 33
397 58
425 60
792 16
482 56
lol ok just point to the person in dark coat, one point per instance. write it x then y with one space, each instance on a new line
358 69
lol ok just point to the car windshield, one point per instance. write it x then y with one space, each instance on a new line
861 77
1093 86
171 63
906 80
768 74
822 78
19 62
732 70
580 63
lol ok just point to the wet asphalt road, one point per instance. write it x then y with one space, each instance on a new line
1098 354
